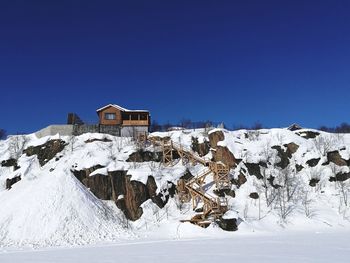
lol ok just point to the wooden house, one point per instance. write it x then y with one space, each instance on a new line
131 122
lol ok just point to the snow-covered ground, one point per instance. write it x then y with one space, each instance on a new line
49 207
273 248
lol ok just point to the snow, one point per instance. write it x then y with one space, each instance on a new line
55 209
230 214
316 247
140 175
101 171
49 207
119 108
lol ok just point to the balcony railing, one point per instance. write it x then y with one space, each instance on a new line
135 122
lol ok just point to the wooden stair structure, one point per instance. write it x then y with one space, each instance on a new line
193 189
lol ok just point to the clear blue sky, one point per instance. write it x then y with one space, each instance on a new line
276 62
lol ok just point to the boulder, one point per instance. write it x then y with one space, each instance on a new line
313 162
335 158
291 148
229 224
224 155
215 137
9 163
12 181
201 148
254 195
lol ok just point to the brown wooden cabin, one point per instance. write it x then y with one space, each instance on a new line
113 114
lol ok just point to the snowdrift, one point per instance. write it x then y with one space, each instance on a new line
55 209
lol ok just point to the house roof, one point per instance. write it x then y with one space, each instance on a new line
119 108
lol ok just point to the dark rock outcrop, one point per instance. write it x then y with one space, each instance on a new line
201 148
263 164
340 177
325 163
286 154
224 192
83 174
100 186
313 162
291 148
254 195
294 127
313 182
12 181
129 195
98 140
47 151
283 155
10 162
145 156
254 169
299 167
238 161
187 175
126 193
335 158
241 179
229 224
308 134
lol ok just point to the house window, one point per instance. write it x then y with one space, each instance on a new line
110 116
134 116
143 117
126 116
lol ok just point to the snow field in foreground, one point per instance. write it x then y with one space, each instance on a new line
282 247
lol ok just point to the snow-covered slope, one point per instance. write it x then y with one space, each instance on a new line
50 206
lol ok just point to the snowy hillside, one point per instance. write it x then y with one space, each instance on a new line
100 188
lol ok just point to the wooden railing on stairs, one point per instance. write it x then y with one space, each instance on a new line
193 188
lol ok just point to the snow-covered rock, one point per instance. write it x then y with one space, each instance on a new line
65 190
